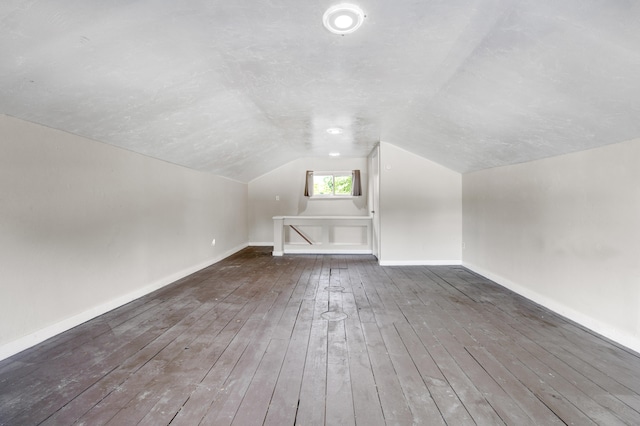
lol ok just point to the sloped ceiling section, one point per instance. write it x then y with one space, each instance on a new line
241 87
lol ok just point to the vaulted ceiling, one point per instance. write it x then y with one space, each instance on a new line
240 87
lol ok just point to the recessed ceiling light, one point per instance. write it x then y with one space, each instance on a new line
334 130
343 19
334 154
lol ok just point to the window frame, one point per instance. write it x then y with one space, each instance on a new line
334 174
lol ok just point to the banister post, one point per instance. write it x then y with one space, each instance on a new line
278 236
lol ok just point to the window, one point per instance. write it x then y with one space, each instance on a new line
333 184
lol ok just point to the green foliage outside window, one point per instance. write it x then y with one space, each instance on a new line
342 185
328 185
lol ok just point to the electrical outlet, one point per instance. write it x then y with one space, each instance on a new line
464 246
277 198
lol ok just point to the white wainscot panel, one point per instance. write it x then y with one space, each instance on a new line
322 234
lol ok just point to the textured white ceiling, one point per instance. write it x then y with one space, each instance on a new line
240 87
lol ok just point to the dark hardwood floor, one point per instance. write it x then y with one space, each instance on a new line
315 340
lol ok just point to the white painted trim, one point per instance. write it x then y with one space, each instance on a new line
625 339
327 251
261 244
277 253
25 342
419 262
293 220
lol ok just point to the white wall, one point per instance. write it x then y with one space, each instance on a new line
86 227
420 210
287 182
564 232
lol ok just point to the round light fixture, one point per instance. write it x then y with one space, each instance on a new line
334 130
343 18
343 21
334 154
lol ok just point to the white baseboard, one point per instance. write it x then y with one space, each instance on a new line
327 251
43 334
625 339
261 244
419 262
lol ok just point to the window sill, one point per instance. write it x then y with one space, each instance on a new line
345 197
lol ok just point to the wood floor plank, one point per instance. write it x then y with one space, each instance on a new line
496 407
299 282
339 399
187 367
255 403
96 393
91 354
569 335
550 397
464 325
452 409
81 371
395 407
224 409
124 396
366 402
284 401
610 405
364 310
213 391
324 339
473 400
186 370
312 404
582 402
475 324
528 402
502 349
286 396
206 391
423 407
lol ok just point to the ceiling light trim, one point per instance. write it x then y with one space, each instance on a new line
343 18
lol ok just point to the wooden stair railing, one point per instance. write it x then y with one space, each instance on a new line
301 234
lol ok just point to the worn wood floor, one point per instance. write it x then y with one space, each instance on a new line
315 340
